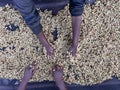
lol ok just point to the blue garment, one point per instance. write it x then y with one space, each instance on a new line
32 18
29 14
76 7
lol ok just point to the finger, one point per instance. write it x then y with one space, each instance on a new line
35 69
28 67
51 53
47 57
74 54
51 57
61 67
53 67
34 63
53 70
57 67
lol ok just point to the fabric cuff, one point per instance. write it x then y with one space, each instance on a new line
76 11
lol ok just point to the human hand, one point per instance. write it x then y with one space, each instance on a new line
50 50
45 43
58 73
30 71
73 50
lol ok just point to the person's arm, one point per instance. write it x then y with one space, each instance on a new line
76 10
29 72
31 16
43 40
29 13
58 77
76 24
23 85
62 86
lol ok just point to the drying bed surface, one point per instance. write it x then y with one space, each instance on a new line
98 55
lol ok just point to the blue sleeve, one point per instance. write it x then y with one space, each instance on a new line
76 7
29 14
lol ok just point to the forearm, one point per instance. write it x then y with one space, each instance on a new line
62 86
23 84
43 39
76 24
76 9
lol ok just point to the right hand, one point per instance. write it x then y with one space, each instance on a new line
50 51
58 73
30 71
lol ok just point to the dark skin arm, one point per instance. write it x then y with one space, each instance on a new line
62 86
76 24
23 85
29 72
58 77
45 43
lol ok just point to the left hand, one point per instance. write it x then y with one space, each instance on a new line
30 71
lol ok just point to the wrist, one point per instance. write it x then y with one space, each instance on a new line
60 83
43 40
25 79
62 86
40 34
